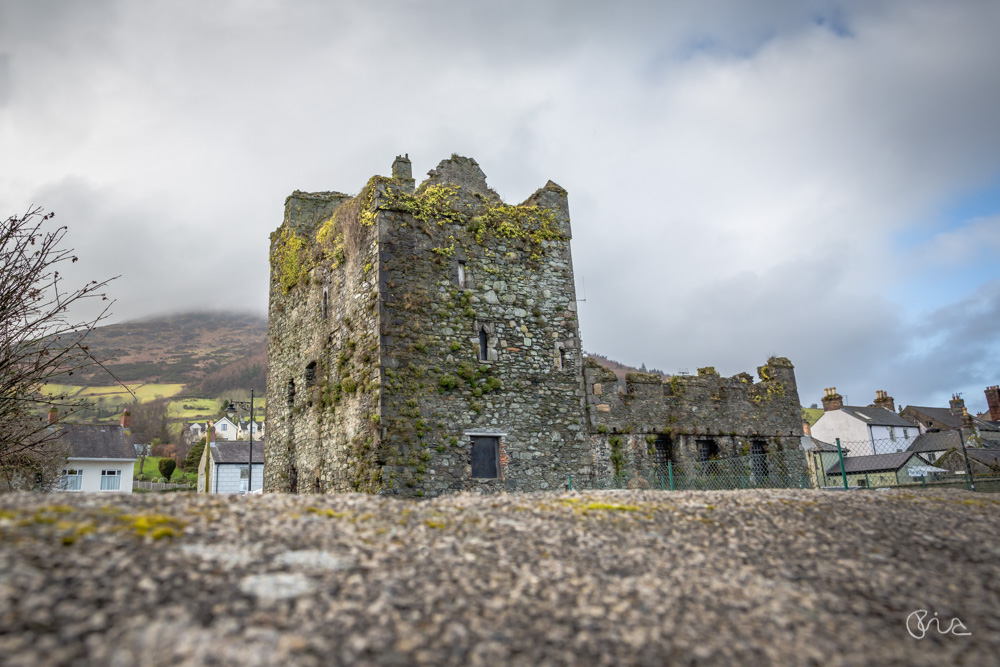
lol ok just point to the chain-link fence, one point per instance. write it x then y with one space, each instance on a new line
777 470
931 460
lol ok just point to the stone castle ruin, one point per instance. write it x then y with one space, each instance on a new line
424 340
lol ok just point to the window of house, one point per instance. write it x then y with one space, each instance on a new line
223 426
72 480
461 274
758 459
905 434
484 354
892 434
111 480
485 457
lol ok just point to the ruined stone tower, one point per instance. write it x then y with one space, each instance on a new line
424 340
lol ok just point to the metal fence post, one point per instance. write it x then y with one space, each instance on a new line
843 470
969 482
670 472
923 480
868 483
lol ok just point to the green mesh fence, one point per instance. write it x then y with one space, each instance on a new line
777 470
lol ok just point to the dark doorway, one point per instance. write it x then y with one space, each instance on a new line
485 457
758 459
663 451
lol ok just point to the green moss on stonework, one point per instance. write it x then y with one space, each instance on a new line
289 260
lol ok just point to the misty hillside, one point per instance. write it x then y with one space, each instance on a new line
208 351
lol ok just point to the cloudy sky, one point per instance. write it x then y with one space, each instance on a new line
818 180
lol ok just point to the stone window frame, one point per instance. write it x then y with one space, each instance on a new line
492 340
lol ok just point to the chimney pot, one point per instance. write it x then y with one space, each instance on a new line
126 420
53 415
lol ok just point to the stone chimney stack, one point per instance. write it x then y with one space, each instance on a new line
967 422
832 400
53 415
957 405
126 420
402 172
884 400
993 403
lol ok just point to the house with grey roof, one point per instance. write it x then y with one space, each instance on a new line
934 443
981 461
884 469
223 467
100 457
953 417
865 431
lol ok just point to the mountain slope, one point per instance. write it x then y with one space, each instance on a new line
188 348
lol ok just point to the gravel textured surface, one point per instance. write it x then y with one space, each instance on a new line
618 577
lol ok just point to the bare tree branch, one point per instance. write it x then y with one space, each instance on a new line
39 341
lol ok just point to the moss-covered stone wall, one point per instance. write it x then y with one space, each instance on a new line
323 371
685 414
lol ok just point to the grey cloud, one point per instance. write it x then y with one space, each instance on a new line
738 174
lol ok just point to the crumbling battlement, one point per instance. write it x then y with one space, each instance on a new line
688 418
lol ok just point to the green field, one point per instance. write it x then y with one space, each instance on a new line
116 393
151 471
812 415
196 407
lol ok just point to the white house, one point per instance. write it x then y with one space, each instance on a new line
243 430
225 429
865 431
100 457
223 467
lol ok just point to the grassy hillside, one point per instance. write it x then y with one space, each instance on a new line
183 349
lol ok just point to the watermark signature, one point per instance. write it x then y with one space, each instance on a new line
918 624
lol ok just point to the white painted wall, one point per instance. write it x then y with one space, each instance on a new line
226 477
225 429
837 424
92 468
889 439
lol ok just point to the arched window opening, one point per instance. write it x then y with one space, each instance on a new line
483 340
311 374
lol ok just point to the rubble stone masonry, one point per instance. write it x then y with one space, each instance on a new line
405 325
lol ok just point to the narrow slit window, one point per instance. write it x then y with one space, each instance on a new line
311 374
483 340
562 357
326 302
291 392
461 274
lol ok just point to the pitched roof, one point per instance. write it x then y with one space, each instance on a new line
990 457
236 451
96 441
935 441
945 416
877 416
810 443
874 463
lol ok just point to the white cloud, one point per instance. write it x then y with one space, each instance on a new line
739 176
